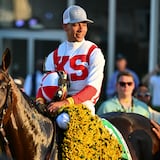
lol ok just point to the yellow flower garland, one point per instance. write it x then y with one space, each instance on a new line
86 138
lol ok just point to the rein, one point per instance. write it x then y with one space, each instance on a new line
3 121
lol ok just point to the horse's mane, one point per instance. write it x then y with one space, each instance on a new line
35 124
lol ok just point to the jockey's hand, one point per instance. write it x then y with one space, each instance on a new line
156 128
54 106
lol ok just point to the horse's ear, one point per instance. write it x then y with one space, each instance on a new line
6 59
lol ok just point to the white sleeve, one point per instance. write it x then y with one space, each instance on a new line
96 68
49 64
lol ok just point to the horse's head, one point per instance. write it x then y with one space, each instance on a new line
4 80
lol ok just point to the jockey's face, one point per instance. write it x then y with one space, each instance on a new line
76 31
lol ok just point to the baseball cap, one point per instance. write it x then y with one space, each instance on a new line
75 14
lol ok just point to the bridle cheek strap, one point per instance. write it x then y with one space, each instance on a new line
6 113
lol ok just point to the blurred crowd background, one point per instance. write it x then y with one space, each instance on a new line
132 33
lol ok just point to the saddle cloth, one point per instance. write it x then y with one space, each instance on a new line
114 131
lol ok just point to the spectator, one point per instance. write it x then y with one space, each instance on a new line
81 59
33 81
153 81
121 65
143 94
124 101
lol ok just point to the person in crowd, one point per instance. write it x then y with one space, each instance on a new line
153 81
121 66
81 59
142 93
32 81
124 101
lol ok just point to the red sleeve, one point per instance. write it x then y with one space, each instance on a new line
40 95
85 94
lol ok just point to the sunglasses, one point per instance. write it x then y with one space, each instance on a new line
147 94
123 84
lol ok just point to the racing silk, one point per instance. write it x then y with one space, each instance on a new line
84 64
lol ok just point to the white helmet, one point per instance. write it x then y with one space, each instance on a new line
54 85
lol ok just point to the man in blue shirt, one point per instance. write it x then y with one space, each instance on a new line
121 65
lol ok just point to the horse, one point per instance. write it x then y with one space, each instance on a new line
27 134
137 132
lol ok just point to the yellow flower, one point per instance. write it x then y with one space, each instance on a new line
86 138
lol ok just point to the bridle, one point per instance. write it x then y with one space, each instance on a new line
3 112
4 107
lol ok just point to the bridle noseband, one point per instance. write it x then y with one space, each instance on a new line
5 105
3 112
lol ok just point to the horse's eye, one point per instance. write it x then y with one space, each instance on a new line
3 87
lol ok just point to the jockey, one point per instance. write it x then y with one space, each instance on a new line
81 59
